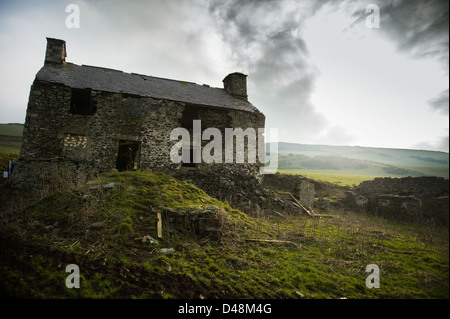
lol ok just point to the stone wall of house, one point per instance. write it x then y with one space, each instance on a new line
45 176
45 114
226 119
407 199
56 140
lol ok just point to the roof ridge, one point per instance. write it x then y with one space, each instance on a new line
166 79
143 75
100 67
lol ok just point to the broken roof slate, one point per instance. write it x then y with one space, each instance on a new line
109 80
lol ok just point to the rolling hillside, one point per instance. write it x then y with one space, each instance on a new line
355 160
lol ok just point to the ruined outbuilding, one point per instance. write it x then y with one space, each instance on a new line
82 120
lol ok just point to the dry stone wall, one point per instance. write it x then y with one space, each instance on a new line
407 199
421 187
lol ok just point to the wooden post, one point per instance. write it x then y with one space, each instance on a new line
301 206
159 225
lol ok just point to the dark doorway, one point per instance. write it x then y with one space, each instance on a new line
128 155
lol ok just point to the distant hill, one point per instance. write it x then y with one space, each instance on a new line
356 160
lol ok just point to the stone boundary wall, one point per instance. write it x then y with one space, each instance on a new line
421 187
423 199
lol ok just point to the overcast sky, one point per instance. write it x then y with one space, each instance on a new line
315 69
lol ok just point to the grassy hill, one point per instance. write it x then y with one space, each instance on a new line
354 160
10 138
108 232
12 129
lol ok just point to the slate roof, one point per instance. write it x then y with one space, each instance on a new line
109 80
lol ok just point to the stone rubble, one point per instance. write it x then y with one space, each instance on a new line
249 193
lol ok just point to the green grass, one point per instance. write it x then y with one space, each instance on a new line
10 140
10 147
328 261
11 130
338 179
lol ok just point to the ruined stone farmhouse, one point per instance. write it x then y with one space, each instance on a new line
82 120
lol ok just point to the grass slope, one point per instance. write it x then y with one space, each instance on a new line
336 179
11 130
103 231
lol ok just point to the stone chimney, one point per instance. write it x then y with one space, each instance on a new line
236 85
56 51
